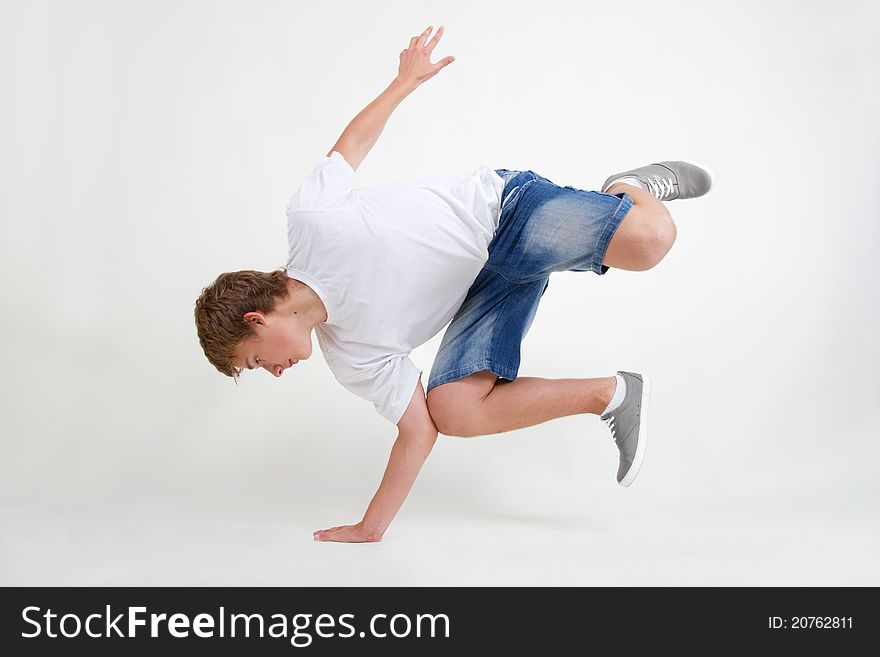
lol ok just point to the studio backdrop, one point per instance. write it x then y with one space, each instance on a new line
149 146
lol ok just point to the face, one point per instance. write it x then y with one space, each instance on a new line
280 342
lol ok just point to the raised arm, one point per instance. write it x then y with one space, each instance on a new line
415 67
416 435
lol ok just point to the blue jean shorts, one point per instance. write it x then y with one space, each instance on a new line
543 228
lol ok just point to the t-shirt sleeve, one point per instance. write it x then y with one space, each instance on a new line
330 184
389 384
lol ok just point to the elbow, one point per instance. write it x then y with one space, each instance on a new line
423 439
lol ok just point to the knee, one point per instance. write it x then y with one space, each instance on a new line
657 240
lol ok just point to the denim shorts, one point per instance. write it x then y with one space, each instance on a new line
543 228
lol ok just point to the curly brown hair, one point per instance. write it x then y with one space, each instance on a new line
220 310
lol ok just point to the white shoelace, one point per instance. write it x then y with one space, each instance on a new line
610 422
660 187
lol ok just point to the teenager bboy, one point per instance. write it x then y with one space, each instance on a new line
377 271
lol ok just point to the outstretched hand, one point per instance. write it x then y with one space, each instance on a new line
415 61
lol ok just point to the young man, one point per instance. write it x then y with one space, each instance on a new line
377 271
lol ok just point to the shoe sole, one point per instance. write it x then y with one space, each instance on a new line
642 438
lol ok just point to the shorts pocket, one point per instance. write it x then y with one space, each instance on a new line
507 198
523 180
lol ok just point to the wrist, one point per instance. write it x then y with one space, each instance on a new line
407 84
372 532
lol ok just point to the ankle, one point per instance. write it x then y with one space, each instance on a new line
628 181
618 397
618 187
604 393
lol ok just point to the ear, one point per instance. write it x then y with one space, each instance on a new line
255 317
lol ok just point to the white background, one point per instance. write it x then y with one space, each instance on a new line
149 146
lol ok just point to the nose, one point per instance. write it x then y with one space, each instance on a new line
278 370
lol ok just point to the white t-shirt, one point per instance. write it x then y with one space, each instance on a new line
392 264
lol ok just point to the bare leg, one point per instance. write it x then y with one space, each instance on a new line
528 401
645 235
640 197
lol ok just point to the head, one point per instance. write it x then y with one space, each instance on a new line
253 319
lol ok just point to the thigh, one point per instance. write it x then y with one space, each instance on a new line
459 397
453 405
545 227
486 332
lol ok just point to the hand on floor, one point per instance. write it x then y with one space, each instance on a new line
346 534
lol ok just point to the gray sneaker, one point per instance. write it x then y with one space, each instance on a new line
670 180
629 426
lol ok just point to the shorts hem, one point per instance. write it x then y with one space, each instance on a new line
502 371
623 207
